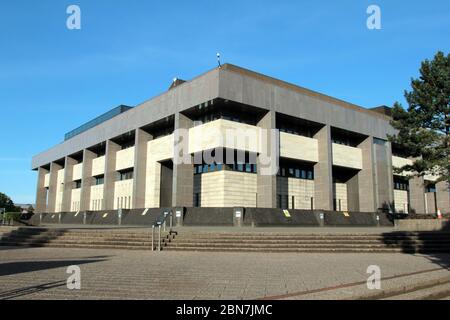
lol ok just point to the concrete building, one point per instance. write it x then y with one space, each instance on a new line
330 154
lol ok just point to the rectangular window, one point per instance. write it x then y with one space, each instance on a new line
77 184
196 200
303 174
99 180
126 175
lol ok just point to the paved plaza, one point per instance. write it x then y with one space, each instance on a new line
40 273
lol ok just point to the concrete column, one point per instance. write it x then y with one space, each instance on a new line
41 191
323 171
443 197
417 195
353 197
110 174
54 168
366 183
266 182
140 165
68 184
384 180
87 179
183 173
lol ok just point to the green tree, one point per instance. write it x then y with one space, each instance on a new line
7 203
424 127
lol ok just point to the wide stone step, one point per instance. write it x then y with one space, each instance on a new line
316 237
75 242
438 291
304 245
299 250
68 237
81 234
80 246
311 241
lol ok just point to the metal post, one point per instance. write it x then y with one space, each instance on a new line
159 238
171 220
153 236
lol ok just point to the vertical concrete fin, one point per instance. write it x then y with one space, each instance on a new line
110 174
443 197
266 184
366 181
54 168
183 173
384 178
87 180
68 185
140 165
417 195
323 171
41 191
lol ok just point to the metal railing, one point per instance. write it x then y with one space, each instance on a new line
161 223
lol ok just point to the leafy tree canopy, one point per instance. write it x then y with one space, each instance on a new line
7 203
424 127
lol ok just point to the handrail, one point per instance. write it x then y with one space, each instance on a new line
161 222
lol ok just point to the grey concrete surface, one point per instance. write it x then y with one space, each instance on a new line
40 273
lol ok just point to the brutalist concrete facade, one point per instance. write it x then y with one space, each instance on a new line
332 155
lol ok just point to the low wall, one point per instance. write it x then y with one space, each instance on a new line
422 225
257 217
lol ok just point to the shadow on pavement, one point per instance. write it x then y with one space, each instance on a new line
12 268
16 293
9 240
435 245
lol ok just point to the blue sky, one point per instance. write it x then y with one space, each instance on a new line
53 79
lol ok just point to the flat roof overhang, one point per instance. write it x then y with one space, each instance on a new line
235 84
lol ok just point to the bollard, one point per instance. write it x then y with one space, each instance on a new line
119 217
171 220
153 237
159 238
84 217
322 217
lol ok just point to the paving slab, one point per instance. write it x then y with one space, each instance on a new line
40 273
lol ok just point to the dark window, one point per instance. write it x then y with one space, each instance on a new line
99 180
77 184
298 171
401 184
197 200
125 175
431 188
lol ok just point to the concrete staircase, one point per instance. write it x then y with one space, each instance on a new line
292 242
233 241
131 239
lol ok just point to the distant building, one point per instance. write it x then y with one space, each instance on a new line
25 207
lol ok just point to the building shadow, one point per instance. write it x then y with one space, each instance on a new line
435 245
14 268
25 237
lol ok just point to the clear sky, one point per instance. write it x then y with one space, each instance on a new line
53 79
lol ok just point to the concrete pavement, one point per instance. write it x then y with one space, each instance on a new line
40 273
